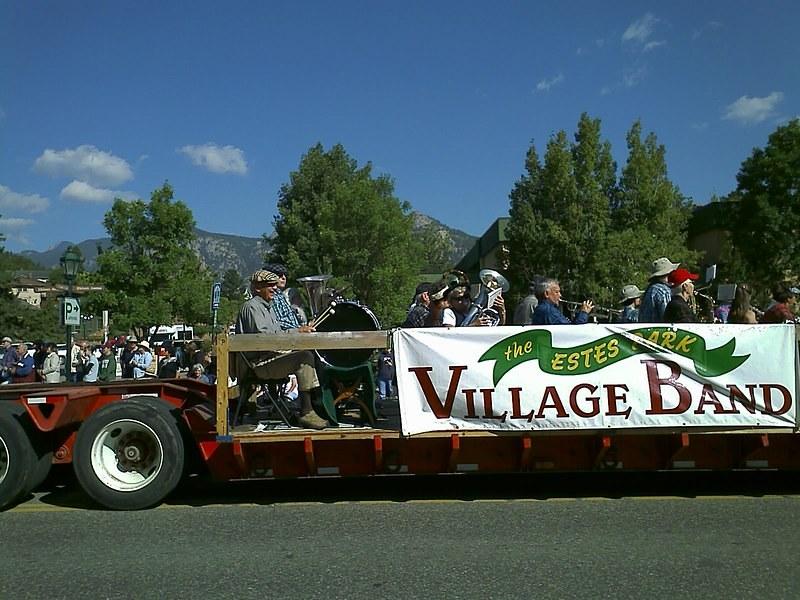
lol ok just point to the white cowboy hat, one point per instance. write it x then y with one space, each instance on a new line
663 266
144 344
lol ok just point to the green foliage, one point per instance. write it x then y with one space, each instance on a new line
151 274
572 220
766 219
336 218
232 285
24 322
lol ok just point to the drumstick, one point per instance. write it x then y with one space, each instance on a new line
318 321
323 315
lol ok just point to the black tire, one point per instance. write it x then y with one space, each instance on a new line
17 456
129 455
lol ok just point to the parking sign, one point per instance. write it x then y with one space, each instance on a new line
71 311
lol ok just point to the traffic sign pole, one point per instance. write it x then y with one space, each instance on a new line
216 293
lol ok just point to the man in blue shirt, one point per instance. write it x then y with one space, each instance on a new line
658 293
548 291
280 303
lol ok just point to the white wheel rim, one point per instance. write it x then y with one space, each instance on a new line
3 460
127 455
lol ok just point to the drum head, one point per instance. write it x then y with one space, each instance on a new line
349 316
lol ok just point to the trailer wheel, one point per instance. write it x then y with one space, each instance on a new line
129 455
16 457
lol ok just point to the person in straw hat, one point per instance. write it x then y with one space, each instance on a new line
257 315
658 293
631 300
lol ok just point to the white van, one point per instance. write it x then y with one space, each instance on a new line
157 336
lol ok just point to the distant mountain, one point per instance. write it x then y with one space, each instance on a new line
221 251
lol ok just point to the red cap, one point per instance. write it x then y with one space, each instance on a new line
679 276
110 344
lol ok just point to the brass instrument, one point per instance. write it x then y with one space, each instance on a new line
596 311
455 278
492 285
316 288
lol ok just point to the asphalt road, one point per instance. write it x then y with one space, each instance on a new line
699 535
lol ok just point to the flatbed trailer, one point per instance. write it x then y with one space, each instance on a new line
131 441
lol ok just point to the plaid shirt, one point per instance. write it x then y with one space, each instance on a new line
283 311
416 316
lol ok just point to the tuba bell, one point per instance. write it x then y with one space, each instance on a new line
316 288
492 285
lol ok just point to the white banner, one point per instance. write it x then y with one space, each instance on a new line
596 377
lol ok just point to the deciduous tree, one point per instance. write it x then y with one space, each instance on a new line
337 218
151 275
767 218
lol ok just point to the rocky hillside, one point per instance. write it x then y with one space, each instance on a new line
220 251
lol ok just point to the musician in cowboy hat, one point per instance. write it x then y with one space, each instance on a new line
658 293
631 300
257 315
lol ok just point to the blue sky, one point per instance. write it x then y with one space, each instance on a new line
105 99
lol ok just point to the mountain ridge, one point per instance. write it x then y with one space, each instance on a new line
223 251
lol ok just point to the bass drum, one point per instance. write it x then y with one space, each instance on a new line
348 316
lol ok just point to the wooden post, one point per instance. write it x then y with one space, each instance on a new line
223 360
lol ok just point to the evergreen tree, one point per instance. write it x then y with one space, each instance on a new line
570 219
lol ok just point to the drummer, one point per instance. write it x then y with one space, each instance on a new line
258 315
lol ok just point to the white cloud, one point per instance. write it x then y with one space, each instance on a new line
653 45
545 84
225 159
11 200
86 163
12 228
13 223
702 126
749 110
640 30
80 191
634 76
605 90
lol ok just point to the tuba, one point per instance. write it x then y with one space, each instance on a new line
492 285
455 278
316 288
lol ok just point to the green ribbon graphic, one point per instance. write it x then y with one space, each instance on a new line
587 358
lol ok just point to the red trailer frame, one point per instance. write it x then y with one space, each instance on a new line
131 441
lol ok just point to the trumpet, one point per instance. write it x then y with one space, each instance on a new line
597 310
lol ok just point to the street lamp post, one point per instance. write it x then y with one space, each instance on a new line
70 262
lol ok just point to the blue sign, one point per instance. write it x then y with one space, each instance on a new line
216 292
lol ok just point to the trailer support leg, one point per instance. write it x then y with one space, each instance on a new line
751 445
377 445
683 444
455 450
605 446
525 455
311 461
238 454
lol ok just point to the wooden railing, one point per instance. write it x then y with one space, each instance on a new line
261 342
